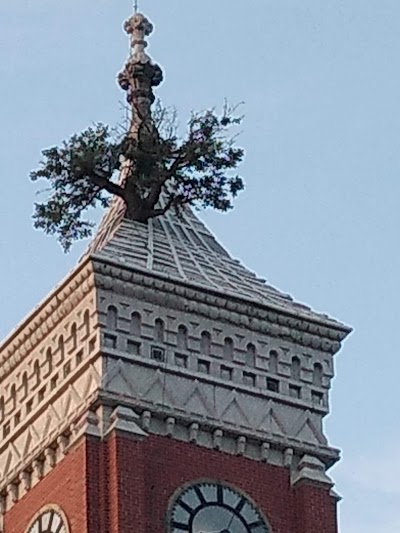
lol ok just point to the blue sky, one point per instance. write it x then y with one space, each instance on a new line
320 216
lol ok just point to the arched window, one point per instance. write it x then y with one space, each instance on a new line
49 360
36 372
74 336
136 324
112 317
228 349
86 322
25 385
182 338
13 396
205 343
317 375
61 348
273 362
295 368
2 408
159 330
251 355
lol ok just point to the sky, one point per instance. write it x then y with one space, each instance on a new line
320 82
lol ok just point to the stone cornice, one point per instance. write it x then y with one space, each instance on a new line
321 335
45 317
170 421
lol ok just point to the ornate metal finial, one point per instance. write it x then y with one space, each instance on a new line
135 6
140 74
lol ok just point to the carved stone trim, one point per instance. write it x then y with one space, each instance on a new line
310 469
45 317
46 460
205 434
126 420
325 336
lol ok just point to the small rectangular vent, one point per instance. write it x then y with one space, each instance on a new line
67 369
317 398
249 379
110 341
133 347
226 373
203 366
6 430
79 358
158 354
294 391
272 385
181 360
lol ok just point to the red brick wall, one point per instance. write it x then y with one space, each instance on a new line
316 510
152 470
64 486
124 486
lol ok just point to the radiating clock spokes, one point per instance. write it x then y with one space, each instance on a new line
215 508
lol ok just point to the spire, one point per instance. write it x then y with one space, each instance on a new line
139 76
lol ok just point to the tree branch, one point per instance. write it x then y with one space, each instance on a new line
109 186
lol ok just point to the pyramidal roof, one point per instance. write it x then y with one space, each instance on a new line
177 248
183 249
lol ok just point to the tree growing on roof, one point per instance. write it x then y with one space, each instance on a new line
158 170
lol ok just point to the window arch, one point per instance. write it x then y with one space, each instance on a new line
136 324
49 360
2 408
74 336
182 338
317 375
36 372
25 385
159 330
112 317
273 362
251 355
61 347
228 349
205 343
295 368
86 322
13 396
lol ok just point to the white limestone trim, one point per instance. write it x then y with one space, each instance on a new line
45 317
205 433
272 322
13 489
310 469
125 420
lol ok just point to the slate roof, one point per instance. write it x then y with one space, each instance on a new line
183 249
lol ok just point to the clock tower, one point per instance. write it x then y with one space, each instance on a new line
164 388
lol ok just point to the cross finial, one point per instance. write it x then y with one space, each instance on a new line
136 6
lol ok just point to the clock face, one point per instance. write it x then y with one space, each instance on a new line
215 508
48 522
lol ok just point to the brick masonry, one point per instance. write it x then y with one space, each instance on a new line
123 485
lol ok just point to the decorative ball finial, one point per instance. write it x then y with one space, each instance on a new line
140 74
139 27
